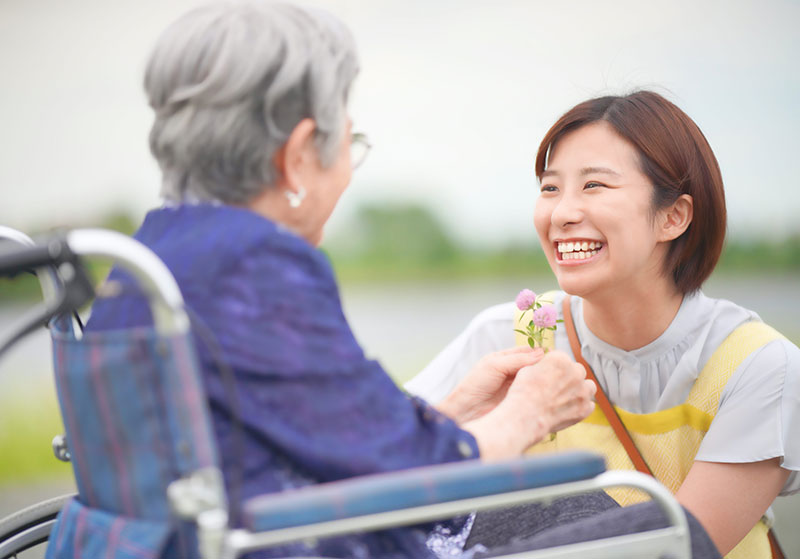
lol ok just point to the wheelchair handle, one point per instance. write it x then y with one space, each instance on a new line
47 277
63 254
29 259
152 275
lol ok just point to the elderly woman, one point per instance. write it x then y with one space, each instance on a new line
255 144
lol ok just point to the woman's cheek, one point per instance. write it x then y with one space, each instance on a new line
541 222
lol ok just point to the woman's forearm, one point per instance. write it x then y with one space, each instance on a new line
504 434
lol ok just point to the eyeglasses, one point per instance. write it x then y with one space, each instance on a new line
359 148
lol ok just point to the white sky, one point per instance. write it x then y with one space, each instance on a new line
455 95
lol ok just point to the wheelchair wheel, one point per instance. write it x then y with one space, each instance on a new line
30 527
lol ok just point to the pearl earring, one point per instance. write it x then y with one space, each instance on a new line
295 198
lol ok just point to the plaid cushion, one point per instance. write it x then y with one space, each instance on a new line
89 533
135 417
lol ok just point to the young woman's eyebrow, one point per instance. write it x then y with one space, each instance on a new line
583 172
595 170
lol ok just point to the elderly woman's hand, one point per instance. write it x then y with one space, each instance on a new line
486 385
543 398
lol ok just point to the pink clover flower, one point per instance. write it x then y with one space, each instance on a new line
545 316
525 299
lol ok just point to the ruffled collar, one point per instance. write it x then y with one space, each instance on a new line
660 374
681 327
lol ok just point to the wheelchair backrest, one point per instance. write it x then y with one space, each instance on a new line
135 416
133 405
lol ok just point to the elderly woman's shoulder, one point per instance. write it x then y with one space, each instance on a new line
221 239
218 226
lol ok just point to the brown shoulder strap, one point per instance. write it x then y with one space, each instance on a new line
775 547
600 397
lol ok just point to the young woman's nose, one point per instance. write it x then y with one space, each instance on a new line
568 210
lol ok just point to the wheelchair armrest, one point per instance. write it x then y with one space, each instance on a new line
415 487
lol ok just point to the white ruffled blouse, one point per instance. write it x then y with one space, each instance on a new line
759 410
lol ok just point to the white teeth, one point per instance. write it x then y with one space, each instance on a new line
579 250
578 246
577 255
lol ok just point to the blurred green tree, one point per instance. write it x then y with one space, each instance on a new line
408 233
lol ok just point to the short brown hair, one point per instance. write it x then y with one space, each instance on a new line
676 157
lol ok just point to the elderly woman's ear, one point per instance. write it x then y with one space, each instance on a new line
294 162
296 159
305 191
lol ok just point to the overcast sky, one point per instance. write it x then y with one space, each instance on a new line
455 94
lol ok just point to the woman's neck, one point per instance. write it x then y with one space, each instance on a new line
633 317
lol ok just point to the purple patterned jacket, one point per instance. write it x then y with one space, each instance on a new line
312 407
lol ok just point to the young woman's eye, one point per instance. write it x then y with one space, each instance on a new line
593 184
548 188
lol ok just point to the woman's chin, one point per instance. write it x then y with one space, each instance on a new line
580 287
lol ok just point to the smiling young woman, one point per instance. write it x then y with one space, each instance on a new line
631 216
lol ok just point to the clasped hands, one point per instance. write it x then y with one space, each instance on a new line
512 399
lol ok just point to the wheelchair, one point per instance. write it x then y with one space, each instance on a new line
123 499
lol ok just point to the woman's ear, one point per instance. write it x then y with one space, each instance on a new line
677 218
294 158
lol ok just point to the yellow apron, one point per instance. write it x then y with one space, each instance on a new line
669 439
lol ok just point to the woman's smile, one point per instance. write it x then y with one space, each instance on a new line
577 251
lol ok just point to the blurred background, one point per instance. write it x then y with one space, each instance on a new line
437 224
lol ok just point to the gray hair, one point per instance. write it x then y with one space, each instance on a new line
229 82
